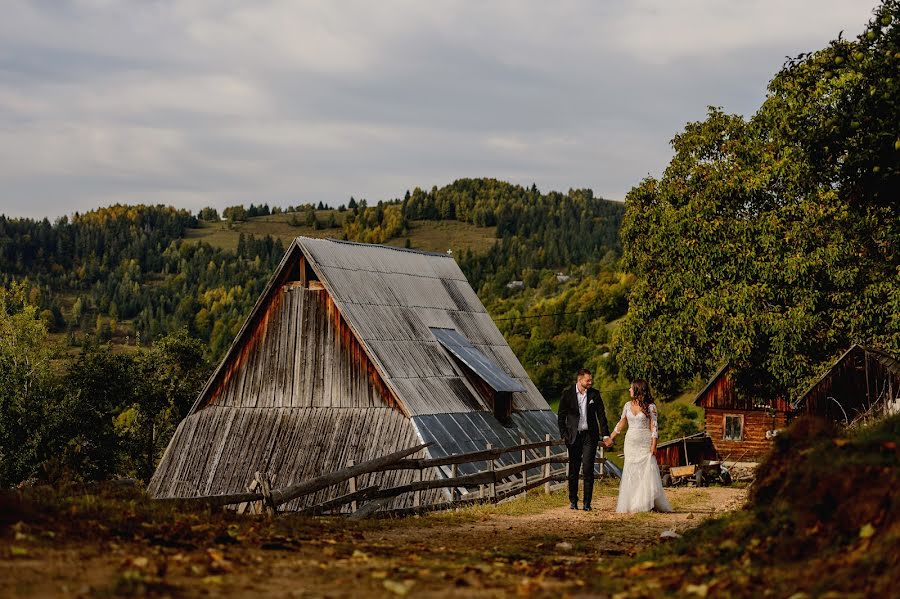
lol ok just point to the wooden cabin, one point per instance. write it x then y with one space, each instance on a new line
354 351
741 428
864 383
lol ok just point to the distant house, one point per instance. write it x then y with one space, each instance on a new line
515 285
355 351
562 277
741 428
863 383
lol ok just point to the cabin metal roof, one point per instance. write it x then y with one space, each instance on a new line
392 298
462 348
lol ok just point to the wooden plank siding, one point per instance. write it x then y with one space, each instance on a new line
754 444
302 355
290 444
720 398
863 381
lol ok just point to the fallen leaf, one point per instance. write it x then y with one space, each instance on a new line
564 546
866 531
697 589
18 551
401 588
728 544
360 555
215 579
841 442
378 574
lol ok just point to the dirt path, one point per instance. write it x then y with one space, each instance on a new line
535 547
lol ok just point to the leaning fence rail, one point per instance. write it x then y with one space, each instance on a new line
494 483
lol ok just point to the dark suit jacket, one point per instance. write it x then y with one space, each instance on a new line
568 415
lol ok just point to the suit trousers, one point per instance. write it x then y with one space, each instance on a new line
582 456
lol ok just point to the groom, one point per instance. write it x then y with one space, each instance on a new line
581 418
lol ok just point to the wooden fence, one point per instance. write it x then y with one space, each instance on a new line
494 484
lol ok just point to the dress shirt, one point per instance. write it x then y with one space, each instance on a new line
582 409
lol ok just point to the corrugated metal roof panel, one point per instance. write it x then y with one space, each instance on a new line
413 359
484 367
471 431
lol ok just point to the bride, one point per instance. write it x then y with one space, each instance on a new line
641 489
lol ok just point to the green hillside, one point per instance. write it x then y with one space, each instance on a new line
428 235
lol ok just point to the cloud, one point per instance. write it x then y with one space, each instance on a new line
213 102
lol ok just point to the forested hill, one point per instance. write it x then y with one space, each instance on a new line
134 273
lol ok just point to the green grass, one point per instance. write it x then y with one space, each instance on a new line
440 236
225 235
432 236
535 502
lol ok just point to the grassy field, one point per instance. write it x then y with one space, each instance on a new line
432 236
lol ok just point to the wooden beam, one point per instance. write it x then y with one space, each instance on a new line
281 496
360 495
465 458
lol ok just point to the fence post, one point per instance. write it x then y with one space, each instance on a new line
417 496
547 466
453 490
266 489
524 472
493 485
602 461
352 482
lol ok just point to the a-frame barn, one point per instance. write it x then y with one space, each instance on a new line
354 351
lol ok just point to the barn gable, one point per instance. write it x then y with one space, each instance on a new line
863 382
353 351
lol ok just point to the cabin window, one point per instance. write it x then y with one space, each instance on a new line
734 428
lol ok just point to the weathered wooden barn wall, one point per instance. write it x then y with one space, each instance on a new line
218 449
754 445
301 353
301 399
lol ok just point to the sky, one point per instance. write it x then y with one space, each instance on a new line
196 103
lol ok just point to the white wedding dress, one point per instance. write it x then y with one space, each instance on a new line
641 488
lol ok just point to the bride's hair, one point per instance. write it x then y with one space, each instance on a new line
642 394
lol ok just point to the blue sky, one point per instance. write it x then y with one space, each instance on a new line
212 103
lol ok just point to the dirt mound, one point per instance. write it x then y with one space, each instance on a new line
825 487
822 517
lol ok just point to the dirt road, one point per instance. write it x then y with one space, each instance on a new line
535 546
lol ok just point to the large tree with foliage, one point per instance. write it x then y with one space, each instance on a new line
771 243
25 379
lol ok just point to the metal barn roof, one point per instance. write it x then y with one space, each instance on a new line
393 299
